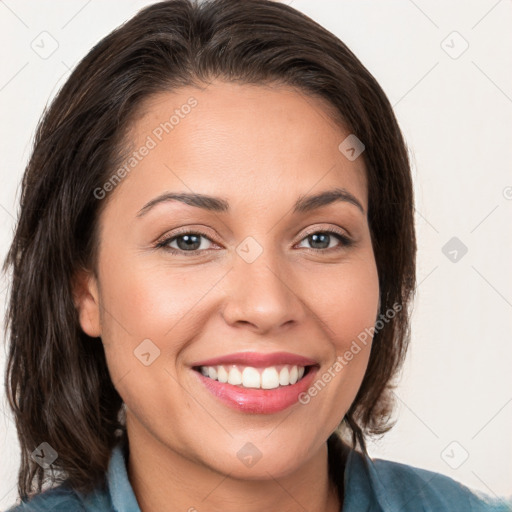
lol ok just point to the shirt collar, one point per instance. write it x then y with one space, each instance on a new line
121 492
359 485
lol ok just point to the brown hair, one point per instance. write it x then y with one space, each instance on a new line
57 380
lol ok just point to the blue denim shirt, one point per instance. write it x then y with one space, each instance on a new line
380 486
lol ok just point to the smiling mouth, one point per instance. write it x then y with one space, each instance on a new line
269 377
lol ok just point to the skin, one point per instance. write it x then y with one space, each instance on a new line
260 148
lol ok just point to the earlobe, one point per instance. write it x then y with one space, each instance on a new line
86 300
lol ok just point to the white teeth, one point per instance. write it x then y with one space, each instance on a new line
259 378
235 377
294 375
270 378
212 372
284 376
251 378
222 374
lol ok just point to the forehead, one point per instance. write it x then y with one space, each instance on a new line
239 139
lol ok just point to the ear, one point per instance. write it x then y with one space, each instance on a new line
86 299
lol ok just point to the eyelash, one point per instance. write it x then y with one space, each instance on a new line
162 244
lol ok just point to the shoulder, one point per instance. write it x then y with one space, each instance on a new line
412 488
64 499
411 485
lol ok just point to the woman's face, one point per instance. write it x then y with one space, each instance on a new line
256 274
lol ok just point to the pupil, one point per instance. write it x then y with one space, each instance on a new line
190 242
322 239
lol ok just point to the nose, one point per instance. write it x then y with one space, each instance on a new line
263 295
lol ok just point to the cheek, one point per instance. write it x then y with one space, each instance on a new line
153 300
149 314
346 299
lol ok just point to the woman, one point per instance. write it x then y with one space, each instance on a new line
212 275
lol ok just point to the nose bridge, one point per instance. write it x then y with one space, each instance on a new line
259 292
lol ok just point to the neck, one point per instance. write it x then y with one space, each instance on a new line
164 480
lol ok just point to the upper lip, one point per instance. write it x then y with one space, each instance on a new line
258 359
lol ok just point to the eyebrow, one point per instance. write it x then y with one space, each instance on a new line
304 203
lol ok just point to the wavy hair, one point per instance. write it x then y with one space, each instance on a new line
57 381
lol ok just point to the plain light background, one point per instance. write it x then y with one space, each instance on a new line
446 69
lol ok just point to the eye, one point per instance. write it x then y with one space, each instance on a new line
321 240
187 242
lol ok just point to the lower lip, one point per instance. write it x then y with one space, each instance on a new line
260 401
